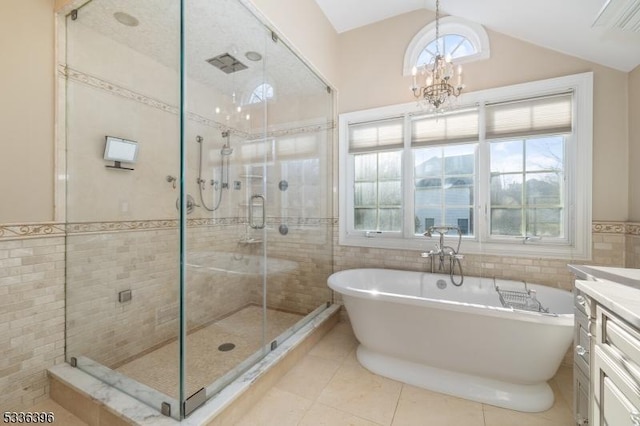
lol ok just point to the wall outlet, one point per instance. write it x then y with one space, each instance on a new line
237 184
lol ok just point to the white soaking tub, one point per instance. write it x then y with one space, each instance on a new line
458 340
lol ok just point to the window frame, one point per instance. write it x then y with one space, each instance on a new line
578 176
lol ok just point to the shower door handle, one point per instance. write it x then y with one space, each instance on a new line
252 206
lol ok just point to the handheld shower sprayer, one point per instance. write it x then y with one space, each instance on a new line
225 153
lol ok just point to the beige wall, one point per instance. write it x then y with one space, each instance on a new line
26 110
306 29
373 77
634 144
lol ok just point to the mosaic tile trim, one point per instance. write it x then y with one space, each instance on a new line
146 225
39 230
315 128
33 230
302 221
609 227
633 228
52 229
98 83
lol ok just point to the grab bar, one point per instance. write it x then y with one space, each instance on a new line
252 205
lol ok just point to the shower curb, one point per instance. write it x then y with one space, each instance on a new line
97 403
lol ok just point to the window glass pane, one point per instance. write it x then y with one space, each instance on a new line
261 93
378 191
506 222
451 41
366 166
545 153
426 217
449 44
506 156
544 222
428 192
365 219
464 49
462 218
390 193
365 194
389 165
459 192
506 190
451 204
543 189
390 219
459 159
428 162
425 57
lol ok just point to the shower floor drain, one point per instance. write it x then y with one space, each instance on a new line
226 347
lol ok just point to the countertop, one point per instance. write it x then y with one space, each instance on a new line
626 276
617 289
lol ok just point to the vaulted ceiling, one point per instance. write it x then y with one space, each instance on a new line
586 29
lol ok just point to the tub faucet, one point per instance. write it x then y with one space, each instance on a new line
441 251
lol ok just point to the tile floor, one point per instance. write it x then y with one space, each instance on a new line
329 387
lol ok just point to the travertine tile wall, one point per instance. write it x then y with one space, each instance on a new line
304 288
32 287
633 245
31 317
609 249
100 265
222 277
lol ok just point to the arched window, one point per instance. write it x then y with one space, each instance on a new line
465 41
261 93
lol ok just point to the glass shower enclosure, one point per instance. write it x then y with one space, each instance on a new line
198 188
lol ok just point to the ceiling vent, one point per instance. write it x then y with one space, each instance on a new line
620 14
227 63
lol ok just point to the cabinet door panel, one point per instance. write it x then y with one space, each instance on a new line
617 410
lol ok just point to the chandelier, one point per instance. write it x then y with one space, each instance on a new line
437 75
236 112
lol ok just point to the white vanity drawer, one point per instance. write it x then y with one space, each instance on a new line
622 339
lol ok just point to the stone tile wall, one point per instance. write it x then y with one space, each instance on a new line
32 286
31 317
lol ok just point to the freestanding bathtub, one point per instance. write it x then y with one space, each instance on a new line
457 340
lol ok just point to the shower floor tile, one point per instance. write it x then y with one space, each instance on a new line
204 362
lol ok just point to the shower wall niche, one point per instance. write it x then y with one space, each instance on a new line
182 272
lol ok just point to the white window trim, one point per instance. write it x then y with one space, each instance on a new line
578 167
474 32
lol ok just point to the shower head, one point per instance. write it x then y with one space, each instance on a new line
226 150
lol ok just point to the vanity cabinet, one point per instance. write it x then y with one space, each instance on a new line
607 354
616 372
584 314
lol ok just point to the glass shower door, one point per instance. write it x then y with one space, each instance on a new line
225 174
122 148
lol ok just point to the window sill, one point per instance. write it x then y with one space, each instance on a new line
510 249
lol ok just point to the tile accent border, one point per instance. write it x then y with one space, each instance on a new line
31 230
58 229
98 83
55 229
609 227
